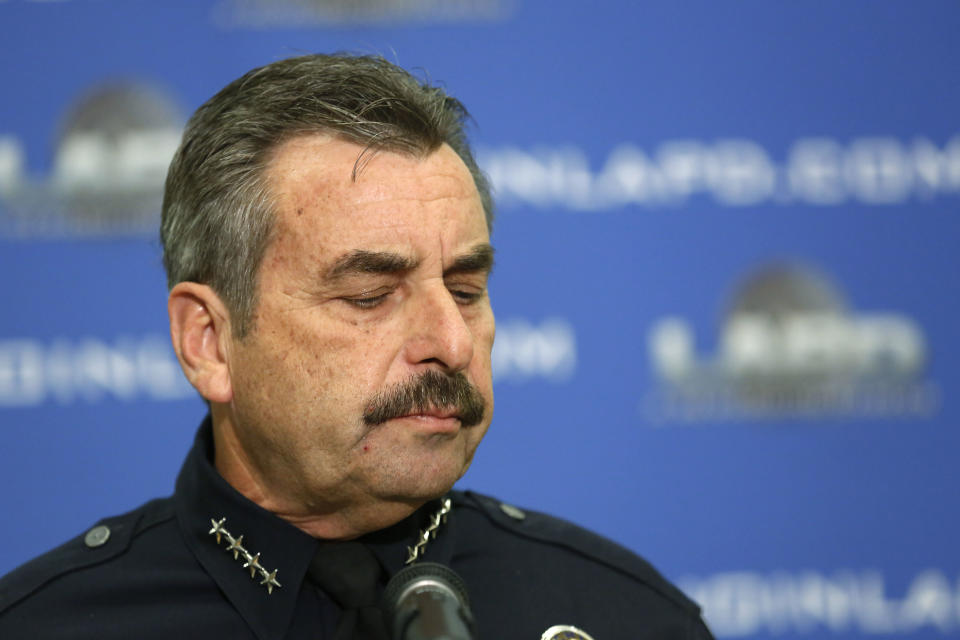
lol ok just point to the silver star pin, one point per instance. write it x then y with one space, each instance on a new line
237 547
429 533
254 564
270 579
251 562
217 529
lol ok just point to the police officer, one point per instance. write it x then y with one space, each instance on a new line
326 235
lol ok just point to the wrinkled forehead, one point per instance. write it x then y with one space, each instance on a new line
342 193
321 164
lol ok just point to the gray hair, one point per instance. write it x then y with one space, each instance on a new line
217 208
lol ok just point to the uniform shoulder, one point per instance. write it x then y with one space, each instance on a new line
107 539
546 529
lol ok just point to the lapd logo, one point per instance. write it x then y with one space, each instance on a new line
791 346
109 165
565 632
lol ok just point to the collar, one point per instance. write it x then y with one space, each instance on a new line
201 495
390 545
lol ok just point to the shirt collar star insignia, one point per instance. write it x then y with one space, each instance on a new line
237 547
254 564
270 580
217 528
251 561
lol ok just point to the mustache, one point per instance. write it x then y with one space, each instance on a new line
429 390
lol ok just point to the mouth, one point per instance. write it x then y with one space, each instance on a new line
439 414
433 421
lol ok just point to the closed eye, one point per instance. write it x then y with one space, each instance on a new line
367 302
466 296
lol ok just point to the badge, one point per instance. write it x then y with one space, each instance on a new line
565 632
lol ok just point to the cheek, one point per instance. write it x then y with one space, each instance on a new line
481 367
295 360
484 331
344 364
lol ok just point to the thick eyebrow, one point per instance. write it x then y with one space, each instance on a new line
478 259
360 261
375 262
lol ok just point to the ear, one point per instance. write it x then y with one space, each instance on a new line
201 334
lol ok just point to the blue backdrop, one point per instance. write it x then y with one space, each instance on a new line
726 286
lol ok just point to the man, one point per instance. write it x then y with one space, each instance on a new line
326 239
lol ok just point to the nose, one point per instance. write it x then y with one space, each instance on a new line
439 334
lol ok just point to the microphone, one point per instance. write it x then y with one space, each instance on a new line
427 601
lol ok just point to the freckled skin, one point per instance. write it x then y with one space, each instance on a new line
292 437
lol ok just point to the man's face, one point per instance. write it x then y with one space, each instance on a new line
367 288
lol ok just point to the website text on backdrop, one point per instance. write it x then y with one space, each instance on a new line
326 236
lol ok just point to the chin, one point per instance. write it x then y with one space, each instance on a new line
421 473
425 484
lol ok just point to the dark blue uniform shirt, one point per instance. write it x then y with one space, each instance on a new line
159 572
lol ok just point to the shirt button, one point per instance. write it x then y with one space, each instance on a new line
512 511
97 536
